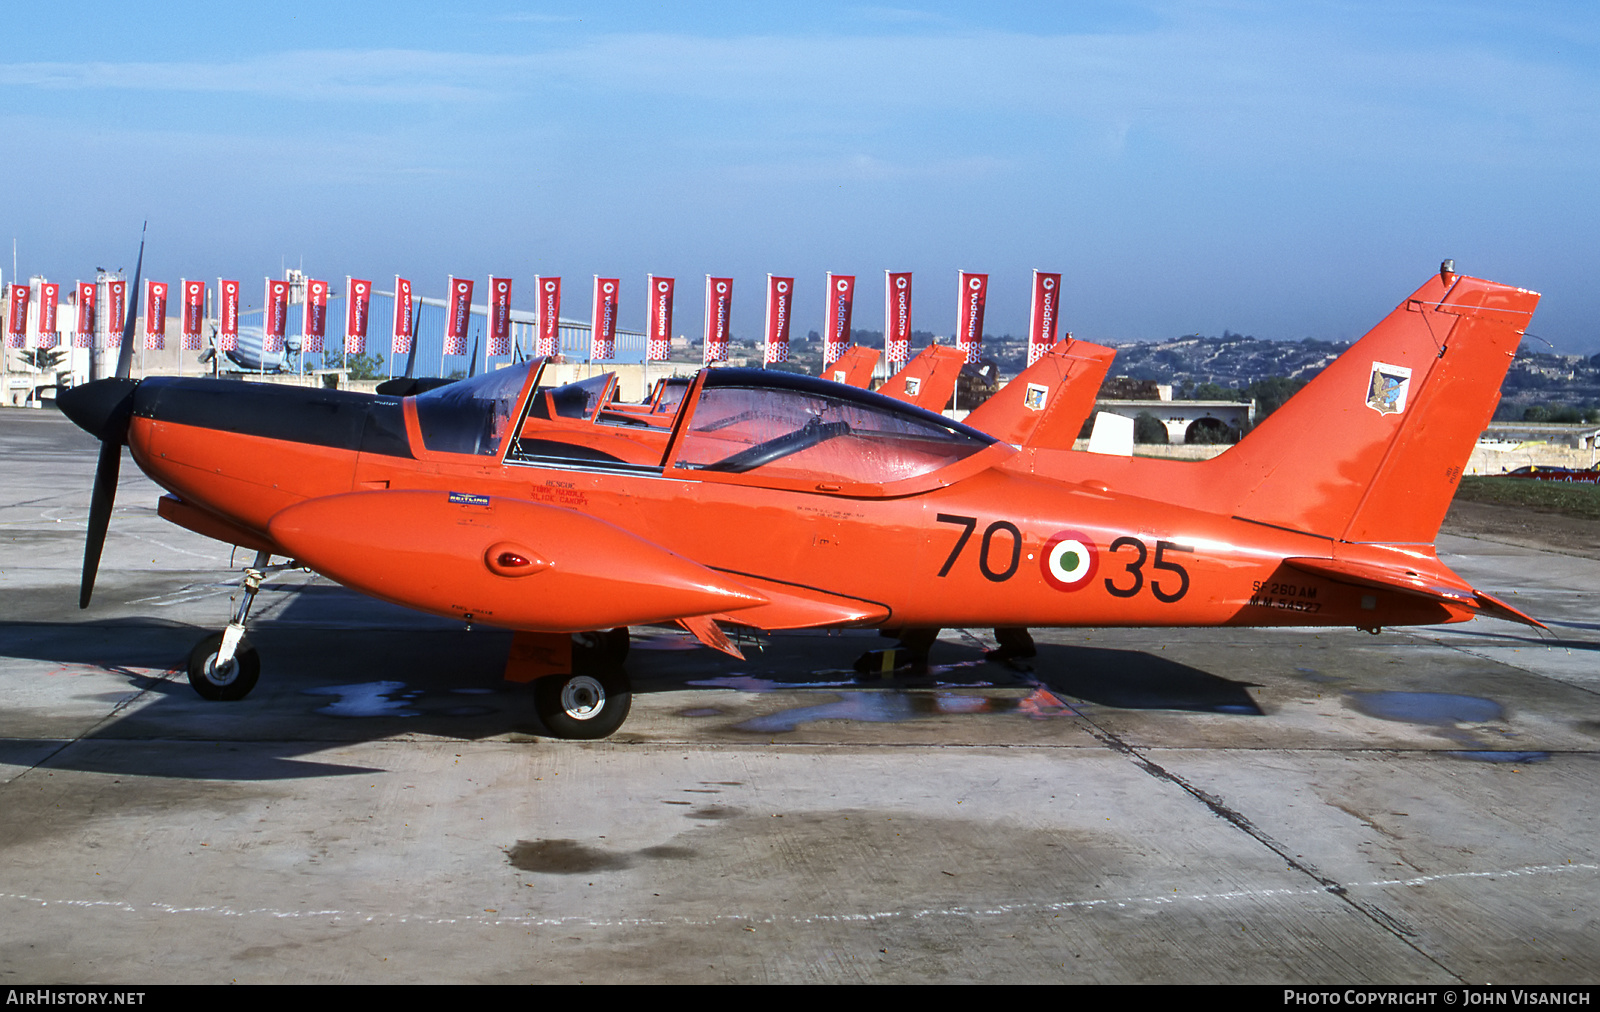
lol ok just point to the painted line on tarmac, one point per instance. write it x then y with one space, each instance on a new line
495 918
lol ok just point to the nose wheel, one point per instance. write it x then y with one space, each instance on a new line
232 679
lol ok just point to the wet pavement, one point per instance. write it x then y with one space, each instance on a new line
1142 805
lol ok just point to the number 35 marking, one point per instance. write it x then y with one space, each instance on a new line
1135 569
1009 537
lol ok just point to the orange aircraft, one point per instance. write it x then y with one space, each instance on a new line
782 501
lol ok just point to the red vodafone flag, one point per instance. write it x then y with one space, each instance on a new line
402 316
275 316
896 317
17 318
194 313
458 316
719 307
155 316
227 315
314 317
658 332
499 316
49 301
357 312
116 311
780 300
970 294
83 333
603 321
841 299
548 342
1044 316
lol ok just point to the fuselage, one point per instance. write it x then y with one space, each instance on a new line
981 541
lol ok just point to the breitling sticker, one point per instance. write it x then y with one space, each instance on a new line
1386 394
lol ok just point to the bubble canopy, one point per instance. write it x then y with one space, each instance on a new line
777 425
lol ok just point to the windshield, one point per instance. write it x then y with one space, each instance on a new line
575 400
471 416
670 394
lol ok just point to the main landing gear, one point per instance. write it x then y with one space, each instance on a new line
224 665
592 699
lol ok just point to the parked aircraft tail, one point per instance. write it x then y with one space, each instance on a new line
854 367
929 379
1047 403
1371 450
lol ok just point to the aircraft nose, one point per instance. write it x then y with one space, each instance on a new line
98 407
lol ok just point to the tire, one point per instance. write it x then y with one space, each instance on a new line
234 682
582 707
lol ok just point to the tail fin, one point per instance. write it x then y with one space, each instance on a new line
1370 451
854 367
1048 402
929 379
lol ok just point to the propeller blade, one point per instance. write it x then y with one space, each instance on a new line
125 356
105 409
105 493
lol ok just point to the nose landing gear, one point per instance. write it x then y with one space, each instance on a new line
224 665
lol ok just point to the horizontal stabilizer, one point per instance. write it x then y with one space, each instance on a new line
1437 584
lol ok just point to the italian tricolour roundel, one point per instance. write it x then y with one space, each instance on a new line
1069 561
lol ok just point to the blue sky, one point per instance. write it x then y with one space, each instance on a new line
1279 169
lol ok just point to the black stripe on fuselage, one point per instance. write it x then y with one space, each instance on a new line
320 417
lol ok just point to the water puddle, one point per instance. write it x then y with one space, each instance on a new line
894 707
750 683
1436 709
1518 758
366 699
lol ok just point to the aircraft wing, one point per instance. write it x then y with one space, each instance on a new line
1434 583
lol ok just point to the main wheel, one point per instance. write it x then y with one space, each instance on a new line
231 681
582 706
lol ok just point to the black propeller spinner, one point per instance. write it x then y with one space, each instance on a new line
105 408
